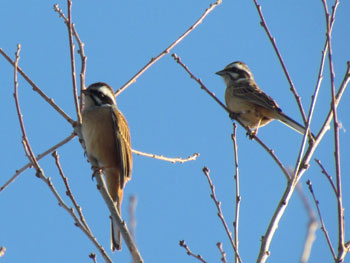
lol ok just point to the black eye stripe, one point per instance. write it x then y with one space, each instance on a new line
100 99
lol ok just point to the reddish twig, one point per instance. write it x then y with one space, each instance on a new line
168 159
38 157
330 179
69 192
220 214
238 196
222 252
323 227
39 91
189 252
273 41
81 50
341 226
72 60
167 50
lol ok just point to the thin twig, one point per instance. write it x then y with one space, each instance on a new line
167 50
69 192
273 41
300 162
341 225
27 148
330 179
38 157
81 50
238 195
72 60
39 91
189 252
222 252
168 159
323 227
220 214
249 132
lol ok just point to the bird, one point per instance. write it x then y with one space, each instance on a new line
107 140
248 102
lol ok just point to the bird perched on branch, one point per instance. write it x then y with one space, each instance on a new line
251 105
107 140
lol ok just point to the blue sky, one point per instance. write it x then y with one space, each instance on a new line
169 114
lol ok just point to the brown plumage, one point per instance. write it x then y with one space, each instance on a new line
107 139
253 107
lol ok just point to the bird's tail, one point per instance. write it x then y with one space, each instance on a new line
291 123
116 237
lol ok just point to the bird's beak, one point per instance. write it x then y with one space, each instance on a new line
221 72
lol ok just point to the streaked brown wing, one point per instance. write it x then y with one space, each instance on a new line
249 91
123 145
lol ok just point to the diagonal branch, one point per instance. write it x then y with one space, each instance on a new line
101 186
167 50
273 41
39 91
323 227
38 157
190 253
220 214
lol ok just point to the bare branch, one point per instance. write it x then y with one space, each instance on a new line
167 50
189 252
341 226
39 91
267 238
38 157
238 196
69 192
220 214
222 252
273 41
81 50
168 159
101 186
323 227
327 175
72 60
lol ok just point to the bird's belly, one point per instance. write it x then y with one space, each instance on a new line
248 113
99 137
